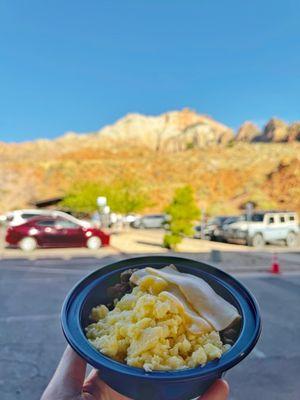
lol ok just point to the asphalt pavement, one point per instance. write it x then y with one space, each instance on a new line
31 341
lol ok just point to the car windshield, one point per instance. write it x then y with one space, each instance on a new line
257 217
216 220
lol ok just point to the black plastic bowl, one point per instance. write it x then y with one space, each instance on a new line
158 385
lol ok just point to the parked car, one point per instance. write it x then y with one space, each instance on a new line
225 227
130 218
266 227
19 217
212 229
45 231
150 221
197 232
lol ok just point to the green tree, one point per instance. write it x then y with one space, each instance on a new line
82 197
183 211
123 196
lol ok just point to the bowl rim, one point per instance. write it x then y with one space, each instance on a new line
96 359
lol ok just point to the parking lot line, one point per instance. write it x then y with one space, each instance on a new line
44 270
29 318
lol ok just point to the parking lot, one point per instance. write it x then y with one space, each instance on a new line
32 289
232 257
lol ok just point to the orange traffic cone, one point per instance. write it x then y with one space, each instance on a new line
275 266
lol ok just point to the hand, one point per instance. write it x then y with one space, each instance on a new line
69 383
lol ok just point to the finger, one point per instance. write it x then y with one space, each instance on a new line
218 391
69 375
99 389
93 384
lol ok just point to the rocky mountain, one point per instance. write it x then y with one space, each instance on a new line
161 153
248 132
275 131
294 132
174 131
180 130
185 129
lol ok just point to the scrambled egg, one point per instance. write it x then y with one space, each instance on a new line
149 329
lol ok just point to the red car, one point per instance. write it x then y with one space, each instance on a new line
47 231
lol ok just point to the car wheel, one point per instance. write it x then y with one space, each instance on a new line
28 244
93 243
135 225
291 239
258 240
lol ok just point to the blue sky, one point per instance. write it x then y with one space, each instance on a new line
78 65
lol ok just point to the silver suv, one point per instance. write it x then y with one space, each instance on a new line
150 221
266 227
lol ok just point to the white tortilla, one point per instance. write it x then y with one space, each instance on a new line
195 294
197 324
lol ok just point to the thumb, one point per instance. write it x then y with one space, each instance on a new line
218 391
68 377
98 389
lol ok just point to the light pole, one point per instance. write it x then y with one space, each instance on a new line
102 204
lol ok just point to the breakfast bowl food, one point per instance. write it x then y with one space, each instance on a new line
161 327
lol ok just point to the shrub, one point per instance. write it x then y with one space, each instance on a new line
171 241
183 211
